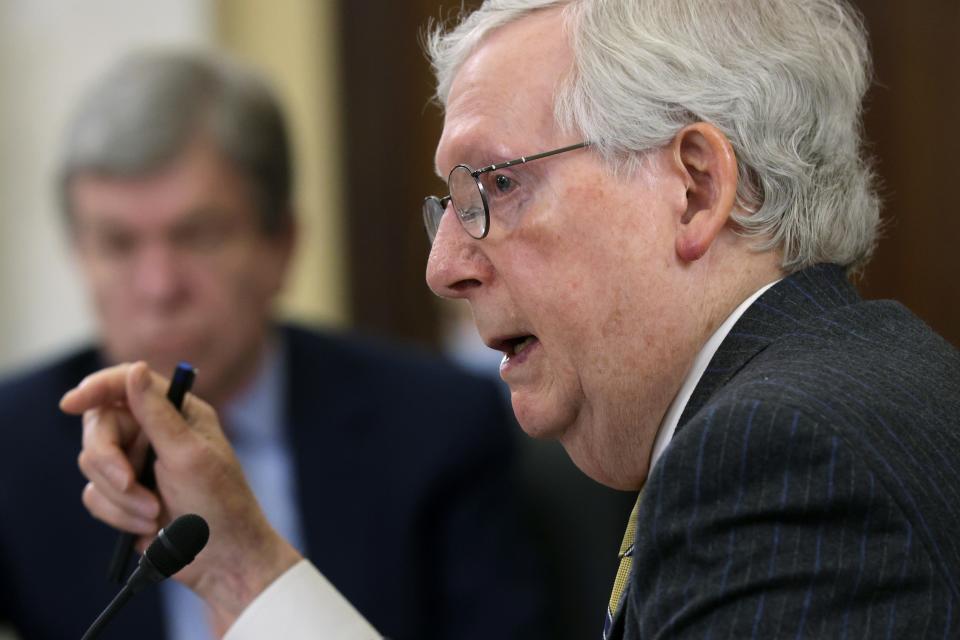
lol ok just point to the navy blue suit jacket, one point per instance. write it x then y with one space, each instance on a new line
812 489
403 468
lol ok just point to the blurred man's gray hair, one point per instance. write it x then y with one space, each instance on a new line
151 105
784 80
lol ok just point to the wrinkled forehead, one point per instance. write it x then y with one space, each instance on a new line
501 101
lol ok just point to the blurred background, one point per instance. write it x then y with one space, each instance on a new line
356 86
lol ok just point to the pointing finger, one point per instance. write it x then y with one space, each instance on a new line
105 387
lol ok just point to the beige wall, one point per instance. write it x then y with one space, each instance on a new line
293 41
50 51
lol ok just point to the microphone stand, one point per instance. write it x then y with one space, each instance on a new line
118 601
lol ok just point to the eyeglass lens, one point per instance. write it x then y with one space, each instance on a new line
468 201
432 212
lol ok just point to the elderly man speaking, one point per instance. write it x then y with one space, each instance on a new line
652 208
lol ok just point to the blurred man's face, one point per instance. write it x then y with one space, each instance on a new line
178 267
576 281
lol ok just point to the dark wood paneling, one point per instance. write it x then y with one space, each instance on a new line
911 121
391 130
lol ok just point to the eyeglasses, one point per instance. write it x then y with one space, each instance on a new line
469 195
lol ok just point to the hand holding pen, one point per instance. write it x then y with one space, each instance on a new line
196 472
180 384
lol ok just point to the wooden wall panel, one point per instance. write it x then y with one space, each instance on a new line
912 118
390 134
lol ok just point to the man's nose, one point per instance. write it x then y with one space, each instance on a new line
457 266
158 273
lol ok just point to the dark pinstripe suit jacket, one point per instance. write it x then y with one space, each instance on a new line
812 489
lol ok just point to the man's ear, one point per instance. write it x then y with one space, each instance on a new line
708 164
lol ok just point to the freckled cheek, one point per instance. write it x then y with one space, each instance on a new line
569 335
583 191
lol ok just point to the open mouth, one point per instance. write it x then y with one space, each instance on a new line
522 343
513 346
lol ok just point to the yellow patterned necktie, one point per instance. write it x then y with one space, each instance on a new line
623 571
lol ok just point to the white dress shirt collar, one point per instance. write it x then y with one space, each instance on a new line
672 417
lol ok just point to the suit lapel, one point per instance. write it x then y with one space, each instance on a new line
303 419
320 408
782 310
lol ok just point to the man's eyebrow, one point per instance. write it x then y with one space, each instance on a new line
487 157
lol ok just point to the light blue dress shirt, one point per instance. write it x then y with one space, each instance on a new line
255 424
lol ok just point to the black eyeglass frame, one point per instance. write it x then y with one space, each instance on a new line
433 204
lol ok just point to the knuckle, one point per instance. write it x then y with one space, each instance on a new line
89 496
89 420
83 462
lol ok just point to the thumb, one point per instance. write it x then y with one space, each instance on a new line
148 402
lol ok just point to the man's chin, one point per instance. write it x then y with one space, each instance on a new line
538 421
615 468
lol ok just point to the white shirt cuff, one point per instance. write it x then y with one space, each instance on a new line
301 605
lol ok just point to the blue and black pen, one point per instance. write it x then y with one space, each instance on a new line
180 384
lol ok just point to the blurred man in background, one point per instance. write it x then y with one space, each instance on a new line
389 470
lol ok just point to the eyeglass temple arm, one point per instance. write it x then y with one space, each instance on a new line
525 159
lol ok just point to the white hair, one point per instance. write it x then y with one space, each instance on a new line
784 80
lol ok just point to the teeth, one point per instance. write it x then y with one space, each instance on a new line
523 345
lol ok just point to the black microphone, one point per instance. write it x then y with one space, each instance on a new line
174 548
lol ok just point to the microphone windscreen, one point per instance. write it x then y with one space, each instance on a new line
178 544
